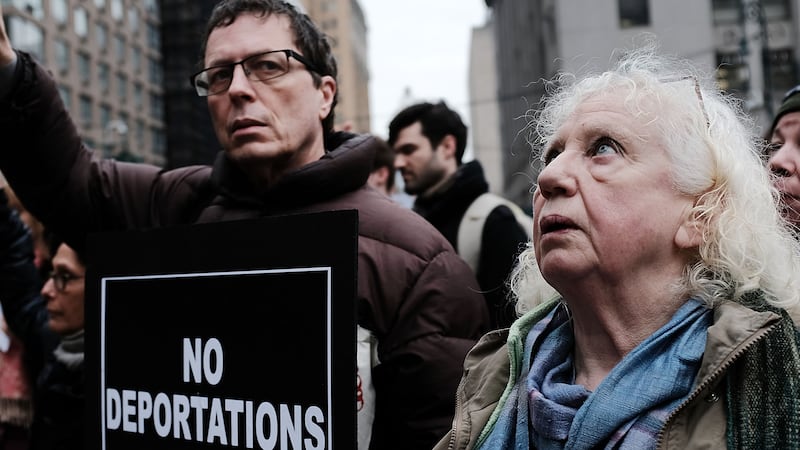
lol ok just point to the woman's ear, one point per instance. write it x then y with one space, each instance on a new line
690 232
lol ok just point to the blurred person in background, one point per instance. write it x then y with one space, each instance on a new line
783 153
429 142
49 320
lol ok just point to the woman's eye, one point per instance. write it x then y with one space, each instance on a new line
605 147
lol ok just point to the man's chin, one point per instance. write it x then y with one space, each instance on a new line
253 153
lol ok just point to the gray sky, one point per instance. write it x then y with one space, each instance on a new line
422 45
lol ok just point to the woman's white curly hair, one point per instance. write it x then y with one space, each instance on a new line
716 158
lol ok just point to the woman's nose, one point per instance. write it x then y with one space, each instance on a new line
558 176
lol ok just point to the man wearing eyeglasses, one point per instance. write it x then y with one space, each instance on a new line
270 81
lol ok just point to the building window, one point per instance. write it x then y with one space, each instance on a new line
102 77
151 6
32 7
105 116
80 21
156 107
101 35
59 11
100 4
138 96
119 48
158 141
776 9
633 13
84 68
133 19
136 59
85 105
62 55
117 12
66 96
122 87
139 133
154 71
733 74
781 65
153 37
26 36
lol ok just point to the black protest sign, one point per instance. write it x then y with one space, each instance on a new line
235 334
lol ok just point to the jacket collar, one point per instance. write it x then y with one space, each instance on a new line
454 196
341 170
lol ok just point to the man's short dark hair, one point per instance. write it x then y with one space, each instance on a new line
437 121
309 39
384 157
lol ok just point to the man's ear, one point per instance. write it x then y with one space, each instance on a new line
327 87
448 146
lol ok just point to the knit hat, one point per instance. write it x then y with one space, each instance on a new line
790 103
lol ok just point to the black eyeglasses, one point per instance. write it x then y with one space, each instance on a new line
62 279
260 67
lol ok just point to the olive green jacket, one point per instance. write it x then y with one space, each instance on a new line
734 357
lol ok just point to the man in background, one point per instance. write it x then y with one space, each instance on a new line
429 141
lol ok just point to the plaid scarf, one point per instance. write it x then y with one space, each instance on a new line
546 410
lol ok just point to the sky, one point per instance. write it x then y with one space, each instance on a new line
421 45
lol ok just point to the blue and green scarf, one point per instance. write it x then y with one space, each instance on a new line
546 410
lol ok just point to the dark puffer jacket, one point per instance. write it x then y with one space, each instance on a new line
414 293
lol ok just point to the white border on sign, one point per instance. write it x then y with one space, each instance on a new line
105 280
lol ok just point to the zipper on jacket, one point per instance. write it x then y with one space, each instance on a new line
458 419
761 334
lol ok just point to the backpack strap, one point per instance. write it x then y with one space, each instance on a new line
470 230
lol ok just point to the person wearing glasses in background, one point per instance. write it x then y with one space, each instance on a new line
783 152
49 321
269 78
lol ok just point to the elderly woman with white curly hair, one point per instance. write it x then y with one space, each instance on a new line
660 286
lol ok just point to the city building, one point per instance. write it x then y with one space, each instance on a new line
484 108
343 21
751 44
106 57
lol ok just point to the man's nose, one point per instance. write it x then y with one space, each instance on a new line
240 84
